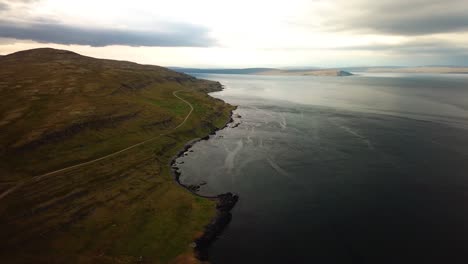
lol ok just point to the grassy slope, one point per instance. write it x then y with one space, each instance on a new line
59 109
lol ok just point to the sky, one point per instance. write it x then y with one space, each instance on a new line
244 33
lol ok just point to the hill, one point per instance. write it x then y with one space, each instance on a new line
268 71
60 109
319 72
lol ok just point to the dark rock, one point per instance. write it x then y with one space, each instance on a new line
193 188
236 125
225 203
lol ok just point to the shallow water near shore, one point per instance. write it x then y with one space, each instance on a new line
362 169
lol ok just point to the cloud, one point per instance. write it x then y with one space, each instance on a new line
4 7
7 4
419 47
174 34
4 41
400 17
20 21
22 1
418 52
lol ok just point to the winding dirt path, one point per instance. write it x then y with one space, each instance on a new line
45 175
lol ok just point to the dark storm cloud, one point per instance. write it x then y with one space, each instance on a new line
175 35
402 17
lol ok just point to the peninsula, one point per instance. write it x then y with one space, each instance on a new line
84 159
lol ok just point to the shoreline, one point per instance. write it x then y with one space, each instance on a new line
225 202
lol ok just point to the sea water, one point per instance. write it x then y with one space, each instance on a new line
360 169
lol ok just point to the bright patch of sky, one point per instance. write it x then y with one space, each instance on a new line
244 33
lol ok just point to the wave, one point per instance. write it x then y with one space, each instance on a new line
278 169
356 134
230 157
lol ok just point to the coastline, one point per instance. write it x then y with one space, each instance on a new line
224 202
106 200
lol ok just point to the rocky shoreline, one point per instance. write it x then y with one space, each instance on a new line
223 216
225 202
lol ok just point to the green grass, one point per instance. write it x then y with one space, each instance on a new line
114 210
178 108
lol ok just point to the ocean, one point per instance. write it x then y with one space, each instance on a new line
371 168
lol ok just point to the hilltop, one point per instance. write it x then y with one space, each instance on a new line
268 71
60 109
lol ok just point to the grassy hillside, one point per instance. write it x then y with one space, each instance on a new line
60 109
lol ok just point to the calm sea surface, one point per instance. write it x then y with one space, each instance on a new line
362 169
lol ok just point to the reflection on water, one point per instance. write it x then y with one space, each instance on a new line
366 169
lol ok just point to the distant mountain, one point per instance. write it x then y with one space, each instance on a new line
366 68
222 71
268 71
320 72
292 68
311 71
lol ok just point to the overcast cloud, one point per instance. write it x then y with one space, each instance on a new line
244 33
18 24
4 6
420 47
176 35
402 17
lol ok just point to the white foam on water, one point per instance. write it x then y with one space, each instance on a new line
356 134
230 157
278 168
282 121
